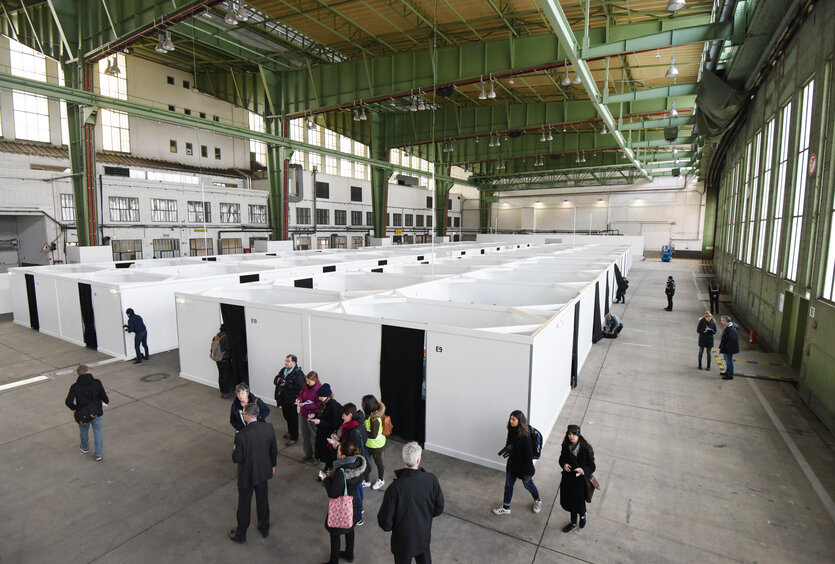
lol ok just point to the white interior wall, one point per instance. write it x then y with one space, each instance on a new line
271 335
19 299
108 312
69 310
48 316
198 321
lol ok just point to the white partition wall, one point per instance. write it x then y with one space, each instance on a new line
270 336
69 308
551 370
108 311
198 320
47 306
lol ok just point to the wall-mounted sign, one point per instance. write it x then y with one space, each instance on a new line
813 163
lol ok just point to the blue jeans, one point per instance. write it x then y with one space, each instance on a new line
729 365
359 498
84 429
701 351
510 481
141 338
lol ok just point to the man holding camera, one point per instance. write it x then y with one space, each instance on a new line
288 383
140 334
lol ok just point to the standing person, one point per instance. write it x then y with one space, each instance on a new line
518 450
288 383
409 505
376 441
308 402
85 399
620 295
706 329
255 454
713 291
328 420
353 431
577 461
140 334
670 290
244 397
344 479
728 346
221 352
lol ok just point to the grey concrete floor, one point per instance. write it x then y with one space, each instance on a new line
693 468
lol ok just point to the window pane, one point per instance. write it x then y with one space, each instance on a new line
801 174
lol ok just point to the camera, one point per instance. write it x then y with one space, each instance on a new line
505 452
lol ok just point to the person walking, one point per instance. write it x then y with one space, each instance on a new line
728 346
328 420
255 454
344 479
713 291
670 290
409 505
620 295
86 399
518 450
244 397
376 441
136 326
288 383
706 329
576 461
221 352
308 402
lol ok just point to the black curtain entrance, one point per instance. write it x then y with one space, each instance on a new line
33 302
606 304
596 326
401 381
235 321
618 276
574 352
88 320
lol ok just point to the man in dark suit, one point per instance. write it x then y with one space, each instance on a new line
255 453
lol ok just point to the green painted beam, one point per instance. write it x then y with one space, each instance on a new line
681 36
664 143
656 123
690 89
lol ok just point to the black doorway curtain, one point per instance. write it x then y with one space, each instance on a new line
34 323
596 326
234 319
574 352
606 304
401 381
618 276
88 320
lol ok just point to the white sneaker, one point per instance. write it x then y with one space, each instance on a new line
537 506
378 484
366 484
502 511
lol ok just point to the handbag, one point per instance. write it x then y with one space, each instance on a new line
591 485
388 427
341 509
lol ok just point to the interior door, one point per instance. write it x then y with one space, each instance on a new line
596 326
33 302
574 346
402 389
88 320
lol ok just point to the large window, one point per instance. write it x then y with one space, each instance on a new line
755 180
68 208
345 165
201 247
765 198
114 125
745 194
799 199
397 219
124 209
369 218
230 213
232 246
340 217
163 210
419 220
303 216
780 189
31 112
330 143
356 218
199 212
258 148
166 248
257 213
126 249
322 217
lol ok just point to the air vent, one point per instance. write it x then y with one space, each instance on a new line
117 171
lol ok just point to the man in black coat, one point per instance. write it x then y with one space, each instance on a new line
255 454
670 290
728 346
288 383
713 291
620 295
410 504
136 326
85 399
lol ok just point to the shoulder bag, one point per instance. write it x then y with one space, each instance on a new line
341 509
591 485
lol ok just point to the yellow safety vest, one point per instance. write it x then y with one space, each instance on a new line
380 440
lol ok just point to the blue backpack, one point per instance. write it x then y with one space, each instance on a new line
536 442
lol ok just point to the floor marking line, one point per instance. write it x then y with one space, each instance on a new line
25 382
798 456
105 361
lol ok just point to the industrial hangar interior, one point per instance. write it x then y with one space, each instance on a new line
473 169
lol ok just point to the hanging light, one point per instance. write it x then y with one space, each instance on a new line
657 54
676 5
673 112
604 131
168 45
491 144
311 125
413 107
421 103
549 137
229 18
542 137
160 48
208 14
576 80
510 80
356 115
577 160
672 72
564 129
114 70
675 151
482 95
492 93
583 158
565 80
240 13
363 117
498 141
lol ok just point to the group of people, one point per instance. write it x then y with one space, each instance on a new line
728 344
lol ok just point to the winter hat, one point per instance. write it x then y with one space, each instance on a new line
574 429
325 391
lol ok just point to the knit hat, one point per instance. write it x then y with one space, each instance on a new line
325 391
574 429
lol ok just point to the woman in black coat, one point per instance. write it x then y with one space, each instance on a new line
346 477
519 452
328 421
577 461
706 331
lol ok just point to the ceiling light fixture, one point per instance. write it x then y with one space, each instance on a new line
542 137
491 144
549 137
676 5
604 131
421 103
240 13
356 115
510 80
413 107
160 48
577 160
311 125
672 72
492 93
583 158
363 117
114 70
657 54
168 45
229 18
576 80
673 112
207 13
482 95
565 80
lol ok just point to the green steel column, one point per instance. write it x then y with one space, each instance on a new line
379 176
485 200
277 174
81 122
709 232
442 188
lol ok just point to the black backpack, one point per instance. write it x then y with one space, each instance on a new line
536 442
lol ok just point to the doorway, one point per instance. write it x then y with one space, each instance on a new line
402 386
606 303
574 351
33 302
88 320
596 326
793 329
234 318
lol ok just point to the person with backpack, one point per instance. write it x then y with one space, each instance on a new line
376 441
577 463
670 290
519 451
85 399
221 352
288 383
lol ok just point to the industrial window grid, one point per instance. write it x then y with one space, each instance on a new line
397 219
166 248
163 210
123 209
340 217
201 247
115 130
765 199
259 148
780 188
257 213
744 193
303 216
322 217
231 246
804 120
126 249
356 218
752 207
67 207
408 220
230 213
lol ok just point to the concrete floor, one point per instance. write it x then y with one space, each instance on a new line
693 468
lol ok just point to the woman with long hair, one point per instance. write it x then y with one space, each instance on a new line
577 462
308 402
346 477
328 420
376 441
519 453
